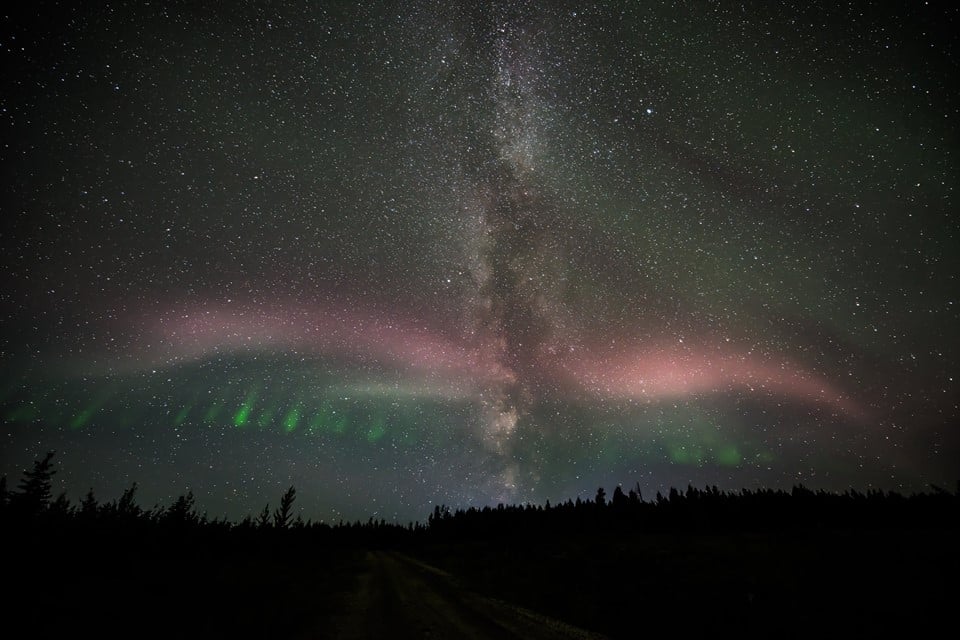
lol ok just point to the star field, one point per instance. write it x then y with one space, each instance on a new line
403 255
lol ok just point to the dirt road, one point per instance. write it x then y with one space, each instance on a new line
399 597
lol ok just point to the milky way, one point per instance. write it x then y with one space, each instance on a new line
479 253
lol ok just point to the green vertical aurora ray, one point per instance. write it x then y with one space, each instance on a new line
338 422
328 419
213 412
292 419
729 456
681 435
693 437
687 455
315 424
23 413
82 418
378 428
694 451
182 415
242 416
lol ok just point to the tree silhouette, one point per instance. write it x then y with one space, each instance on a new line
181 511
707 509
88 506
61 507
281 517
35 487
127 506
264 520
619 498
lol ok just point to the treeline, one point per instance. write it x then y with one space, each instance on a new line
706 510
32 505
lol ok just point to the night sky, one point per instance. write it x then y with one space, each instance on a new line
413 253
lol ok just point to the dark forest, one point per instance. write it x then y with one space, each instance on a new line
687 563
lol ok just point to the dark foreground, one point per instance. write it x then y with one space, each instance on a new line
757 564
287 586
397 596
772 584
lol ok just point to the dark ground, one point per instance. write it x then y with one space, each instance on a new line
291 586
400 597
799 584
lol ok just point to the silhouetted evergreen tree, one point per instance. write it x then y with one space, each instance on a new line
88 506
35 487
702 510
619 499
263 522
281 517
181 512
61 507
127 506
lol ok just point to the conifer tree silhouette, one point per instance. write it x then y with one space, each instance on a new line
601 497
127 506
281 517
88 506
35 487
61 507
619 498
181 511
263 521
